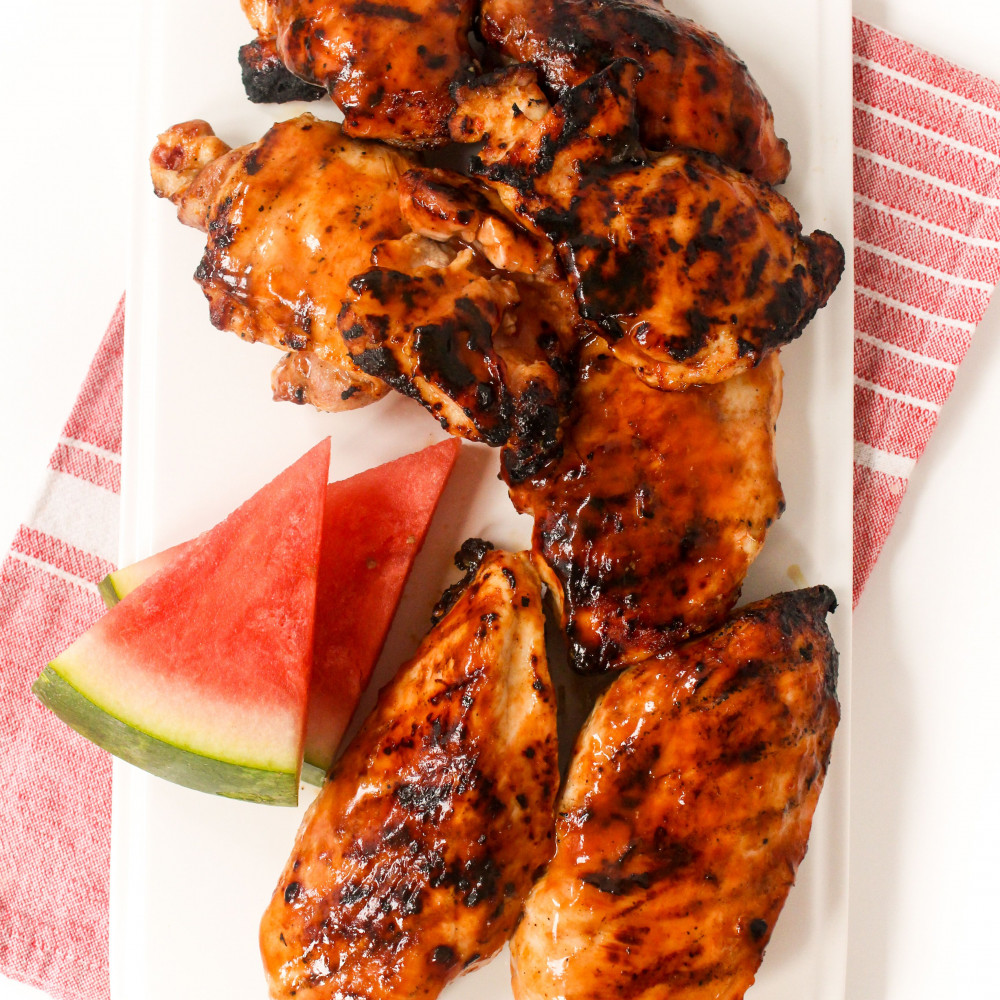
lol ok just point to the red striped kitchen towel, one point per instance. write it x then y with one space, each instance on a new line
927 258
55 787
927 232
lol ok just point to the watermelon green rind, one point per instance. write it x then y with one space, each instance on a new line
366 562
159 757
312 774
109 591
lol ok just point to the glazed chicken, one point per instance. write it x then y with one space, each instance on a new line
290 220
694 91
412 864
693 270
376 273
659 504
685 814
388 66
471 315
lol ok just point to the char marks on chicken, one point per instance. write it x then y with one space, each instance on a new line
657 508
685 814
387 65
289 219
266 79
693 270
412 864
470 314
604 301
694 91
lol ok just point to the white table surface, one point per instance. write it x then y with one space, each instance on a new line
925 874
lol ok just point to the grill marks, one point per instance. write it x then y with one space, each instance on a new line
673 296
657 507
388 66
413 862
662 249
429 333
468 315
694 91
291 219
686 812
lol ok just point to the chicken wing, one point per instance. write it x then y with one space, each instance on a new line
693 270
388 66
290 220
412 864
694 91
657 508
685 814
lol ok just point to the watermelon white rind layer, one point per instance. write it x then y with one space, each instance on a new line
166 760
117 585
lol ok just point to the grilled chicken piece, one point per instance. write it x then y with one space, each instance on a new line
412 864
693 270
694 91
290 220
388 66
657 508
471 316
685 814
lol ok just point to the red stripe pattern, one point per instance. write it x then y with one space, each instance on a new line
98 469
927 257
55 806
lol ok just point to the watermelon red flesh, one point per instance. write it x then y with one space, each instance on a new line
212 654
373 528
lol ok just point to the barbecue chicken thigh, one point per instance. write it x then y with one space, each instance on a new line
693 270
377 273
685 814
290 220
388 66
694 91
412 864
471 315
658 506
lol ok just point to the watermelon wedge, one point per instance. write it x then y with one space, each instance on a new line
373 527
201 674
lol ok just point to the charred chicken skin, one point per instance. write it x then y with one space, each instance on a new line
693 270
694 91
290 219
387 66
470 315
659 504
412 864
685 814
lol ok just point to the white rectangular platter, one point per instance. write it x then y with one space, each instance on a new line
191 874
